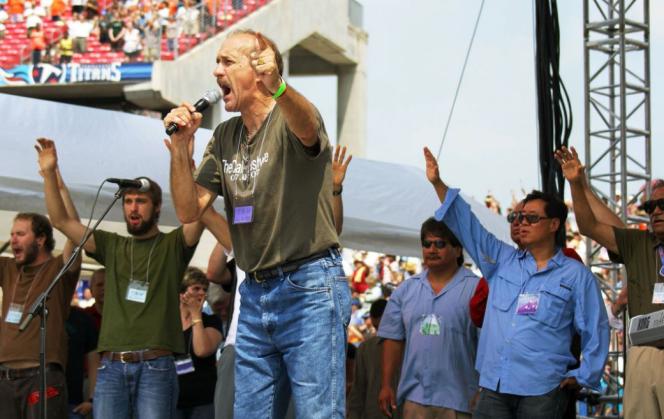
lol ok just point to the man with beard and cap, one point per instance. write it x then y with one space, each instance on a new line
23 278
141 330
272 165
642 252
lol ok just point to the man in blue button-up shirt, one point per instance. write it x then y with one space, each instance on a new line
538 298
428 326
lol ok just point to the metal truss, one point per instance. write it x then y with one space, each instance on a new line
617 129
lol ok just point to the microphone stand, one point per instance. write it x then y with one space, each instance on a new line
39 308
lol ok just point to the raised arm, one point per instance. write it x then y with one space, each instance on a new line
589 224
339 167
484 248
65 220
299 113
190 200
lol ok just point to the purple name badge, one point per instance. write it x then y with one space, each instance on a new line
243 214
527 304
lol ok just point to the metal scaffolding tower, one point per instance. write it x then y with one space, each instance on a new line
617 129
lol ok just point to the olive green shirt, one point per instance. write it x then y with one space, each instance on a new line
638 251
288 185
155 324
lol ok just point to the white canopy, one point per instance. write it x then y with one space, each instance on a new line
385 204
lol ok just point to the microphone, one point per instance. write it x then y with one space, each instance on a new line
140 184
209 98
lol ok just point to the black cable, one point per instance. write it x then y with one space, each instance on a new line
553 103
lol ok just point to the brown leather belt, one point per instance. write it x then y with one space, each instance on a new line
136 356
15 374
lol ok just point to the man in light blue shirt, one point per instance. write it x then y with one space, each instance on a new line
538 298
428 326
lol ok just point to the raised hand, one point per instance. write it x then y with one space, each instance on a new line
569 162
339 166
433 174
192 303
264 62
47 155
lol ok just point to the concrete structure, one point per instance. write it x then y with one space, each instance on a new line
315 41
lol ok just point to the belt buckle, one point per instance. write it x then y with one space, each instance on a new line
128 355
258 278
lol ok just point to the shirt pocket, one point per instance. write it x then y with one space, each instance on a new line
504 292
554 298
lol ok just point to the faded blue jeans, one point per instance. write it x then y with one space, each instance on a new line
138 390
291 337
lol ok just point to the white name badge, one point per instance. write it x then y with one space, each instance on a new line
658 294
184 365
14 313
137 291
430 326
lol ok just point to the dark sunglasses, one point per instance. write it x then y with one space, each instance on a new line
519 216
649 206
440 244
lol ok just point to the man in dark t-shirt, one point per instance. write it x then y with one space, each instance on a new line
272 167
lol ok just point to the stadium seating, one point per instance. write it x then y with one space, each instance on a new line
14 48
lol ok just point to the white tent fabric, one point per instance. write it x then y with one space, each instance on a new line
384 203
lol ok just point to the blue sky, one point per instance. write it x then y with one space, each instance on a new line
415 53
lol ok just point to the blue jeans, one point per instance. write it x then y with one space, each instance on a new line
142 390
291 337
494 405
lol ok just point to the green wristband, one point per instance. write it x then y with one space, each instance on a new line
280 91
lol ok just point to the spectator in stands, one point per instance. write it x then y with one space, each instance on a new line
3 30
642 252
359 276
238 4
172 34
4 16
103 25
15 9
131 41
37 43
364 392
197 369
78 7
537 314
58 8
431 313
79 30
189 16
116 32
152 40
32 19
66 47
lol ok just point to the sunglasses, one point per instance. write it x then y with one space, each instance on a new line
519 216
649 206
440 244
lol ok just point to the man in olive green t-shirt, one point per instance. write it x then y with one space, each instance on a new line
271 164
141 329
642 252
